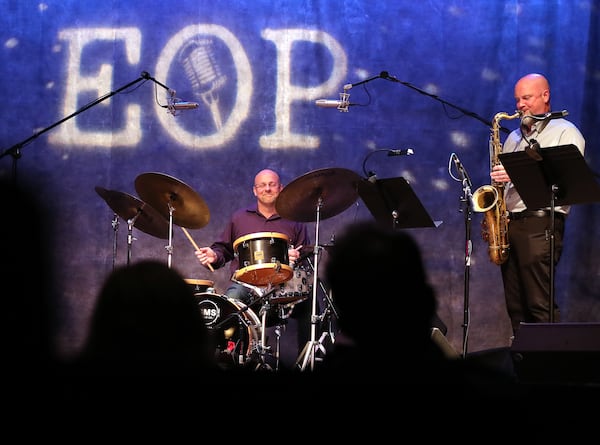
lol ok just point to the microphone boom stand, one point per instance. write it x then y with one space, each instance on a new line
466 199
385 75
15 150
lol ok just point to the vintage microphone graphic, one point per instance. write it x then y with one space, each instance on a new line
204 74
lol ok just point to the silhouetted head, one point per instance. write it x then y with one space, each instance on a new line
147 315
379 285
28 296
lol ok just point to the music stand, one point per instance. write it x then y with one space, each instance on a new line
551 177
393 201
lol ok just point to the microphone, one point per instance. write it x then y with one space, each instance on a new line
172 104
372 177
461 170
402 152
550 115
182 105
527 120
342 104
329 103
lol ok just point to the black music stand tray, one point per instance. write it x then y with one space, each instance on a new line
551 177
561 175
392 201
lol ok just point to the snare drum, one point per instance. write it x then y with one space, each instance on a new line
234 326
200 286
263 258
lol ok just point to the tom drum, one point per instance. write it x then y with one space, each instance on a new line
263 258
295 290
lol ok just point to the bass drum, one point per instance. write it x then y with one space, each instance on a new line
235 328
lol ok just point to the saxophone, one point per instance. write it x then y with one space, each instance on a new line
489 199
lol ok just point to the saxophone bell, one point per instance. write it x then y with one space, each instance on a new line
484 198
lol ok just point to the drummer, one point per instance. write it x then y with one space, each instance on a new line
261 217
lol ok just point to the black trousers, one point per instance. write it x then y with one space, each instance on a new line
526 273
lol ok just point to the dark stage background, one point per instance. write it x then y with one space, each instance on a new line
262 65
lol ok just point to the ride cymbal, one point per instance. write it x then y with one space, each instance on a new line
164 192
128 207
335 188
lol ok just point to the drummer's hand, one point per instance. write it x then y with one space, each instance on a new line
294 254
206 255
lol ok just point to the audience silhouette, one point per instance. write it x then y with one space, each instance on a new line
26 317
146 322
391 274
386 314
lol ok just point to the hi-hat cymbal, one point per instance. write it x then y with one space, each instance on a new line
335 188
164 192
128 207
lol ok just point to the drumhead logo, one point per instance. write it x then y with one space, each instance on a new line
210 311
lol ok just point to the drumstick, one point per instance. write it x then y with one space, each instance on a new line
195 245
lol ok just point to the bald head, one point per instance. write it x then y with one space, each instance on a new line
532 94
534 80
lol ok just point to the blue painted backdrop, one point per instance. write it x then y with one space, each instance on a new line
256 69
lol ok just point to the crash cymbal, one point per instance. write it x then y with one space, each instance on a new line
164 192
147 219
336 187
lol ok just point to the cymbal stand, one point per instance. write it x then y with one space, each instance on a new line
115 226
329 332
311 347
130 224
325 315
328 296
169 247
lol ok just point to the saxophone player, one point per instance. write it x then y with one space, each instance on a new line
526 273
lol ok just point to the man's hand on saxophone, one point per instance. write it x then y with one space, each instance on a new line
498 174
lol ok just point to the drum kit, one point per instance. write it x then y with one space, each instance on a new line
263 257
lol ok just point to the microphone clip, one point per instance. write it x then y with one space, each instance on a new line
344 101
533 149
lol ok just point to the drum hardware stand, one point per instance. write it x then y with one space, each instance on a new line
319 345
308 352
328 296
329 332
327 314
169 247
263 348
264 297
115 226
130 224
264 310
